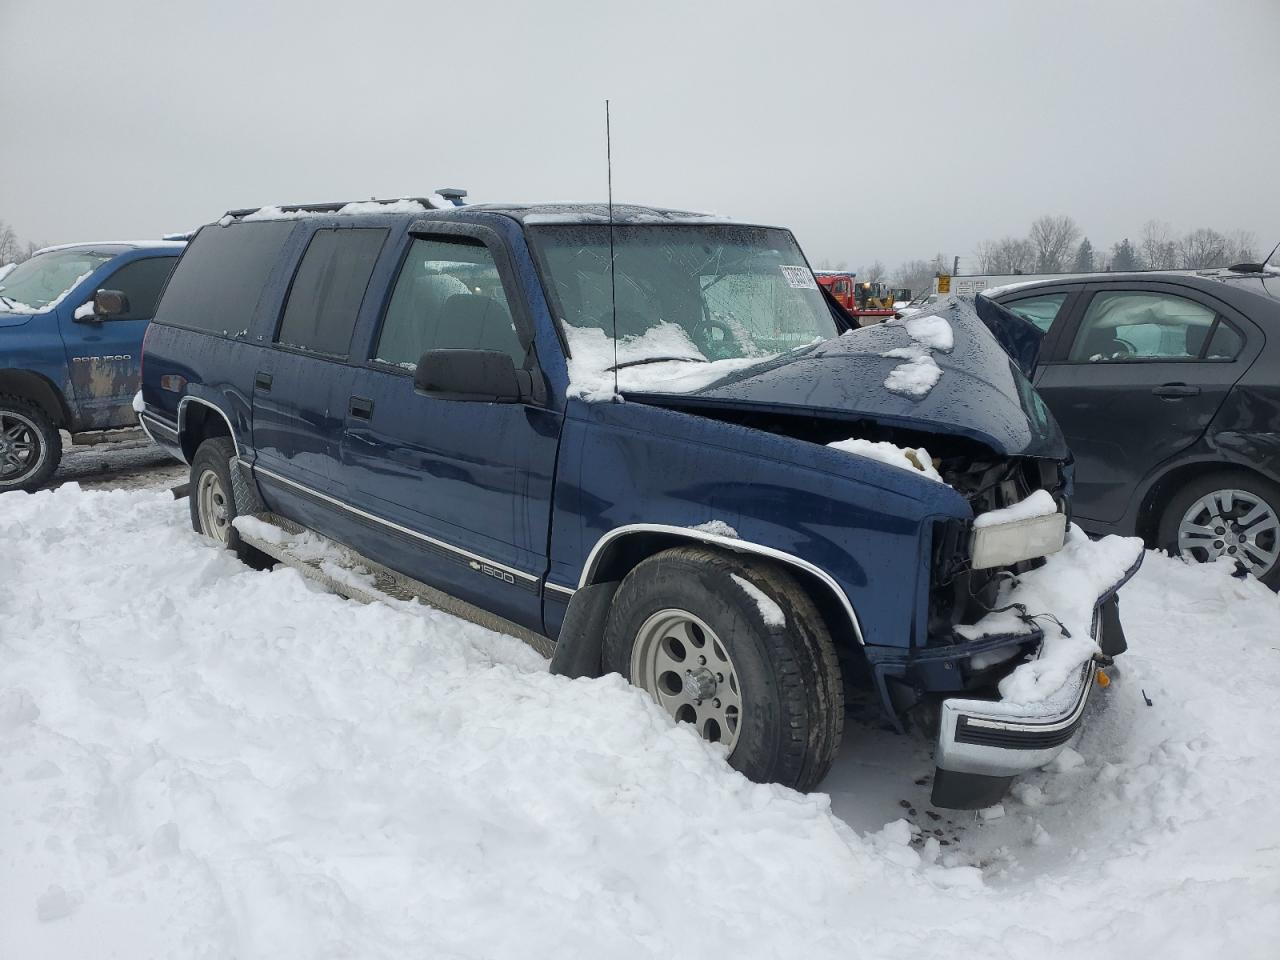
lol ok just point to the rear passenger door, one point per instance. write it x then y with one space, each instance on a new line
300 385
1134 379
454 493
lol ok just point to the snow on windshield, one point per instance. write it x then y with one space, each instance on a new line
591 374
44 281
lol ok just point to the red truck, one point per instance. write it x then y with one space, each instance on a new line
866 302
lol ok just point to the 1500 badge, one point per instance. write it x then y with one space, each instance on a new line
116 356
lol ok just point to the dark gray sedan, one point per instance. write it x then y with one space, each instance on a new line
1168 390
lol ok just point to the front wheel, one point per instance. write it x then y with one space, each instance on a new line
737 649
1234 516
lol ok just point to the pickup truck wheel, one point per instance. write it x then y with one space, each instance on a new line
213 507
30 445
1228 515
736 648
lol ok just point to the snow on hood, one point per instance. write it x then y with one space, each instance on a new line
915 459
980 392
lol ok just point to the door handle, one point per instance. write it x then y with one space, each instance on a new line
360 408
262 381
1175 390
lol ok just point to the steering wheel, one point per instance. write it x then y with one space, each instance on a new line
709 344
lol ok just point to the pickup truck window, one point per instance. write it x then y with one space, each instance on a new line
448 295
717 291
42 281
219 279
141 282
326 292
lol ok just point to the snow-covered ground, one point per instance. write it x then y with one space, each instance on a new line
200 760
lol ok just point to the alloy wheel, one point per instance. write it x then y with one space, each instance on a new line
21 449
215 513
682 664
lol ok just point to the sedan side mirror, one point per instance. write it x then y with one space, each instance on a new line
488 376
106 303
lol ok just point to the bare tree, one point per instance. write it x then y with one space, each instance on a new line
1054 239
1009 255
915 275
1201 249
1242 247
10 247
1158 246
874 273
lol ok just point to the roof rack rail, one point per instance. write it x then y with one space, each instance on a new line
332 207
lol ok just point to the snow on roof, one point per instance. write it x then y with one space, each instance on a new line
134 244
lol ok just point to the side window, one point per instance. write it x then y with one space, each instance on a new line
1134 325
448 295
141 282
1041 310
1225 343
326 292
220 277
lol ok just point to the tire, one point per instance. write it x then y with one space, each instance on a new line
784 679
213 505
1219 502
30 445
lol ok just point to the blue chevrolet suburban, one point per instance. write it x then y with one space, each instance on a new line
646 442
71 325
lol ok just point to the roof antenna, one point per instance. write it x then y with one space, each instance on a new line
613 290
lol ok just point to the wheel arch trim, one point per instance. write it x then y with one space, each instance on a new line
728 543
182 418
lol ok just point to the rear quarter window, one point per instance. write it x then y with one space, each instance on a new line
220 278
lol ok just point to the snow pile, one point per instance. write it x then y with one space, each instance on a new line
915 459
139 405
1061 594
920 373
717 528
1039 503
83 311
770 612
199 760
591 374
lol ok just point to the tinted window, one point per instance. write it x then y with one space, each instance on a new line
327 289
220 278
448 295
1225 344
1040 310
141 282
1133 325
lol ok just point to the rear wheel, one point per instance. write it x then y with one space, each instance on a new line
1234 516
737 649
213 506
30 445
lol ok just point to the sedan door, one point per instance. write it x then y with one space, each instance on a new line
1134 378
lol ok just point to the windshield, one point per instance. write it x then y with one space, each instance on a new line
41 282
717 296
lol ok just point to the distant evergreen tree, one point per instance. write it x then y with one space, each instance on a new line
1124 258
1084 257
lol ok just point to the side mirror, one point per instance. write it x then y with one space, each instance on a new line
488 376
106 303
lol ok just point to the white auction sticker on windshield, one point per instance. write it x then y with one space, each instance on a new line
799 277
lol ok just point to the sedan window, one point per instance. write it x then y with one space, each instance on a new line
1132 325
1039 310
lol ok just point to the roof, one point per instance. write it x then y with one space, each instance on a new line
116 246
1226 287
532 214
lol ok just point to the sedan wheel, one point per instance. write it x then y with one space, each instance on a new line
1232 523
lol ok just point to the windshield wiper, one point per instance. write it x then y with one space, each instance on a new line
9 301
636 363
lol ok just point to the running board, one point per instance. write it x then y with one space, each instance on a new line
347 573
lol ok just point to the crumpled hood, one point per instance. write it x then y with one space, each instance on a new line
981 394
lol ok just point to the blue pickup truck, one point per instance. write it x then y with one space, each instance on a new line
71 325
645 441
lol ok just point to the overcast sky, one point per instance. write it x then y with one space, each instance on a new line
874 129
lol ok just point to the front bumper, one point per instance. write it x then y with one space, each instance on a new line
983 744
